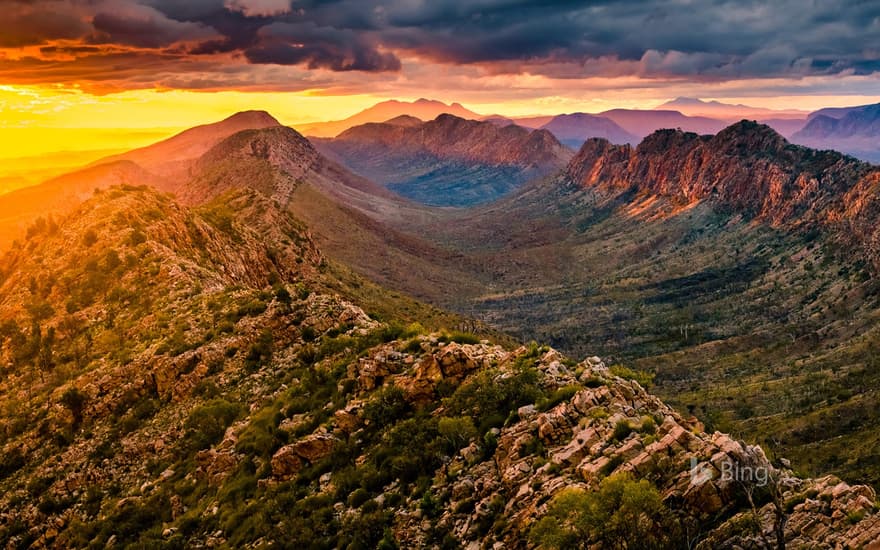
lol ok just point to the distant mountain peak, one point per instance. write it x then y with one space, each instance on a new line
257 118
682 100
575 128
447 161
752 134
403 120
694 106
422 109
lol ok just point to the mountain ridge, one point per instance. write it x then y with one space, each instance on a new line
575 128
171 157
717 109
448 161
423 109
747 166
853 130
300 419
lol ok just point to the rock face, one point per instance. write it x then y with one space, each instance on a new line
448 161
290 459
746 168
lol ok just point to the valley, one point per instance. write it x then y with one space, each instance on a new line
248 310
447 275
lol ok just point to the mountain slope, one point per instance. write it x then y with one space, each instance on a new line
164 165
737 262
448 161
574 129
202 387
20 208
171 157
353 219
422 109
854 130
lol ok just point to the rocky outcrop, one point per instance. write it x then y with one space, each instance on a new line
418 376
581 442
290 459
746 168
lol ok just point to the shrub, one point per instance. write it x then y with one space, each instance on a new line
457 431
358 497
282 295
649 426
622 430
261 436
621 511
429 505
490 399
645 379
90 238
386 407
459 337
75 401
207 423
10 462
562 394
260 351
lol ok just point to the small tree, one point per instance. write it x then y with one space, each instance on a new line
758 478
457 431
622 514
75 401
46 353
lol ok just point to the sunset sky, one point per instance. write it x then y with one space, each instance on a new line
74 71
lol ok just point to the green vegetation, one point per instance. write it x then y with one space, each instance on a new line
645 379
622 430
207 423
623 513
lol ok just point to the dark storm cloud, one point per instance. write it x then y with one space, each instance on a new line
712 39
23 24
319 47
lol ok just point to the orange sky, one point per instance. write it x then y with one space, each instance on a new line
39 119
115 74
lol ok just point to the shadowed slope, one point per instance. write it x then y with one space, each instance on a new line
448 161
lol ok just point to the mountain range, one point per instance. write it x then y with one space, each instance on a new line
423 109
448 161
692 106
225 339
853 130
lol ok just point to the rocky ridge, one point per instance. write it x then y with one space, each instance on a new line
746 168
209 394
542 450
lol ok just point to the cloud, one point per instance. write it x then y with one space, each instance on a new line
259 8
679 40
143 26
320 47
29 25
